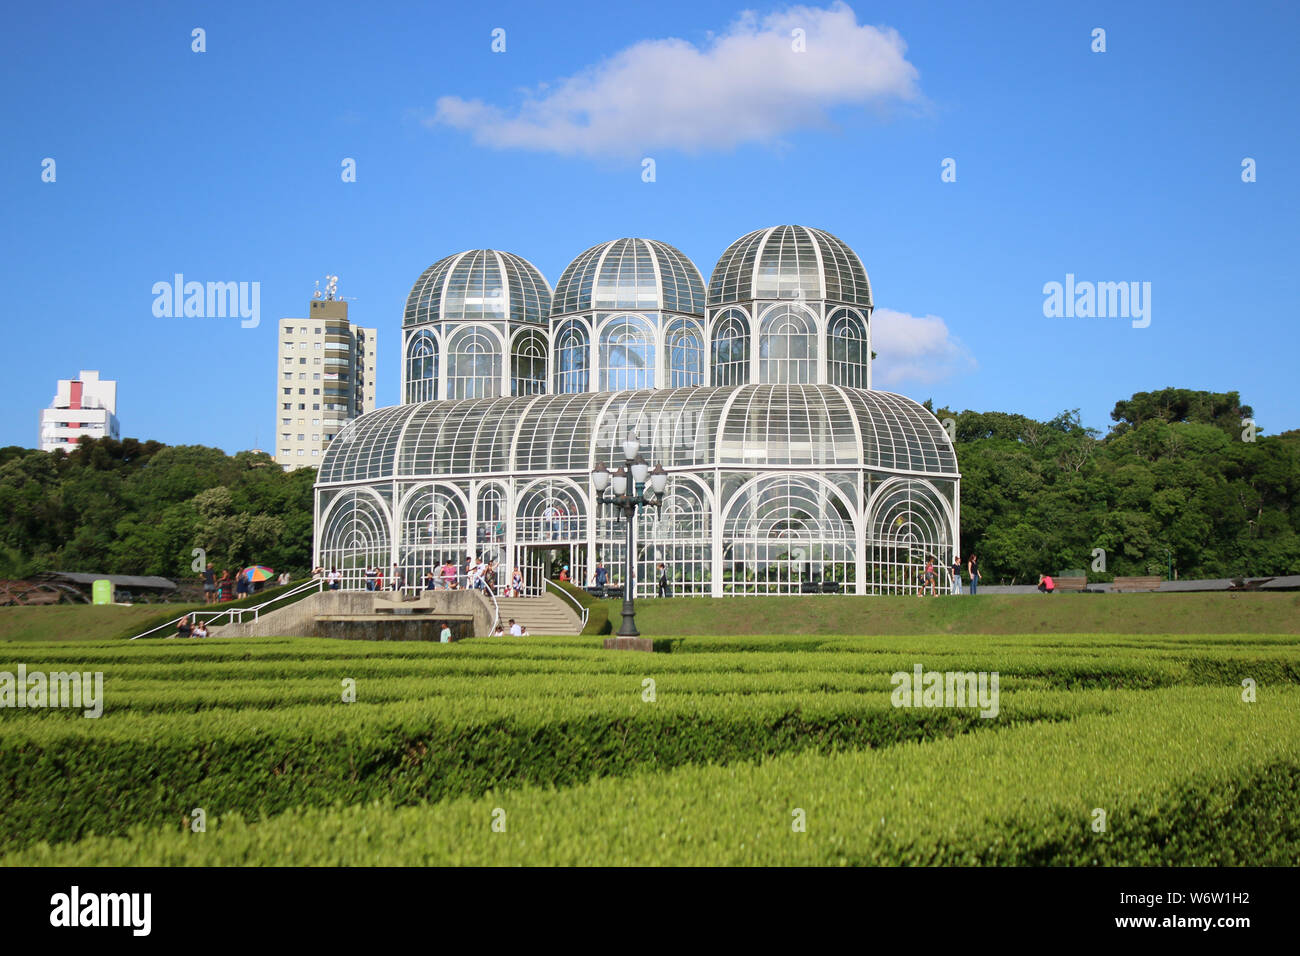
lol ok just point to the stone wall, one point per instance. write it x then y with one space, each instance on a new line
299 619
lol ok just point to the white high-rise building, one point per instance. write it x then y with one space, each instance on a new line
85 405
325 377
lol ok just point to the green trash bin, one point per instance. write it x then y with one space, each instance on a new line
101 592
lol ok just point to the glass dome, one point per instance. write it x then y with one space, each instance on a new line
790 262
479 285
748 426
642 275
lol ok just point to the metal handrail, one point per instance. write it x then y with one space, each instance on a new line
314 584
582 611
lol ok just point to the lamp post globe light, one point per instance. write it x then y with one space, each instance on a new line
628 493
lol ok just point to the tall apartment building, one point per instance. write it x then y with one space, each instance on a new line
85 405
325 378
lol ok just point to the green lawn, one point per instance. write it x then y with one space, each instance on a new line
706 755
1247 613
1222 613
76 622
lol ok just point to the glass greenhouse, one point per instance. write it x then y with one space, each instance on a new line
787 472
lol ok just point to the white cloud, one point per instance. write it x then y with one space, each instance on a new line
917 349
746 85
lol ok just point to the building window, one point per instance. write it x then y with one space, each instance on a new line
288 391
528 364
627 354
288 406
571 351
473 365
422 367
302 391
685 346
302 361
731 348
787 347
847 348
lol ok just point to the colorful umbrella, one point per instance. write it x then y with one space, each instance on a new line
260 572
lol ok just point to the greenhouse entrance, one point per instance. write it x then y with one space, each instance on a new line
545 561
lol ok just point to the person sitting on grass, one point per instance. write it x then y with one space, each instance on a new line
499 631
1046 584
515 629
200 630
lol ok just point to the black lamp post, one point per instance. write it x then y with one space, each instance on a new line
629 493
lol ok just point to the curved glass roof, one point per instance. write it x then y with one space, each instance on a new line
788 262
479 284
732 427
642 275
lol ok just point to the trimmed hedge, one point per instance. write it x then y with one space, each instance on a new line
1186 776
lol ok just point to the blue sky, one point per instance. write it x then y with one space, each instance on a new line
225 166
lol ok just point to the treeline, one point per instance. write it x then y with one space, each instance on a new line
1180 479
132 507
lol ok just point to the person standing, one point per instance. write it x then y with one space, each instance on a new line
956 573
602 577
973 569
444 636
663 590
429 580
334 579
372 574
209 577
398 581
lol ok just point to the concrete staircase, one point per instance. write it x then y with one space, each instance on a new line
547 614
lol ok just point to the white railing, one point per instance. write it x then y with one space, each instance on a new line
582 611
235 615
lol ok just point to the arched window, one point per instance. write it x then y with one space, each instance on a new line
787 347
685 345
422 367
528 363
847 352
571 362
473 364
627 354
490 534
731 348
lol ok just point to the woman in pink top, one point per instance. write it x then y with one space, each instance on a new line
448 576
1046 584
